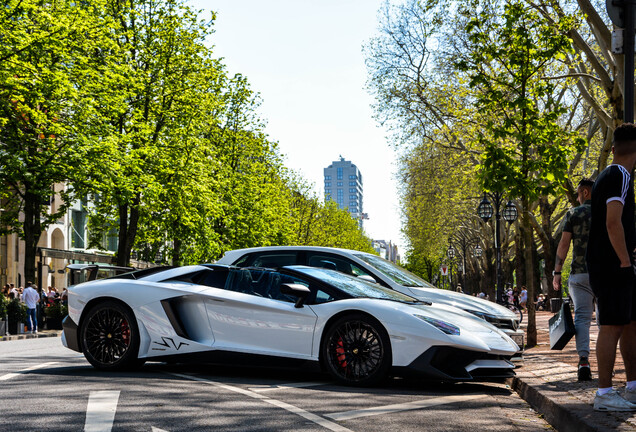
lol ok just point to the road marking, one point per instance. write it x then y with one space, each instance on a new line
154 429
291 408
100 413
23 371
266 388
388 409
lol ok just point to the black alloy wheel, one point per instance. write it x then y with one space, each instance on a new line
356 350
110 337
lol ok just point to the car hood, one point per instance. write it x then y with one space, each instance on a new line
461 301
470 326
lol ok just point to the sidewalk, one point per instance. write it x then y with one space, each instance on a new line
547 381
39 334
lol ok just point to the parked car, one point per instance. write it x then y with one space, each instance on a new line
357 330
384 272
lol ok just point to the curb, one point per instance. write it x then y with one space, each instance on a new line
54 333
561 418
566 411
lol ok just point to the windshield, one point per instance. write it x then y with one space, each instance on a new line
395 272
354 286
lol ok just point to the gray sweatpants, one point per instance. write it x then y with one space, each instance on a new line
583 297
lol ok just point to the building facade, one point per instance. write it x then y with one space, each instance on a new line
68 234
387 250
343 184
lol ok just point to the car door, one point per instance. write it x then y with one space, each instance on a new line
253 316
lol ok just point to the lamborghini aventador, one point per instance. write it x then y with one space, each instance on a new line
358 331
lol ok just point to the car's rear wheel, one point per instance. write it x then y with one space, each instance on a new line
356 350
110 337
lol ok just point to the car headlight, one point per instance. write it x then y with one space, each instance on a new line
502 323
482 315
440 325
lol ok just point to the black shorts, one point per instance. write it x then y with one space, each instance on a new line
614 290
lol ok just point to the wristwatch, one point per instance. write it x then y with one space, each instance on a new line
554 273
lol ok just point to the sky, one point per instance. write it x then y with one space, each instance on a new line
305 59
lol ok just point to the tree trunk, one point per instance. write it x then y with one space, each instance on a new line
520 261
127 230
32 231
122 259
531 339
549 244
176 248
489 275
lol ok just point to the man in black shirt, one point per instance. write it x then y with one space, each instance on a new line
609 262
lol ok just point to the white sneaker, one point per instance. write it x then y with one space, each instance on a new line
612 401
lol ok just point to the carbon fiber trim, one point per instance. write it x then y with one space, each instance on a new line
173 317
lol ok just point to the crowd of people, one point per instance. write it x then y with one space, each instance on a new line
32 297
47 298
514 296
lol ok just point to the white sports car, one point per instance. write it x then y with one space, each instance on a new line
379 270
359 331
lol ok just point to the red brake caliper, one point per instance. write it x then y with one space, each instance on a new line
125 332
340 351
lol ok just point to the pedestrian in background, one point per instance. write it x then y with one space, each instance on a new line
523 298
609 264
13 292
515 298
576 230
31 297
52 295
64 297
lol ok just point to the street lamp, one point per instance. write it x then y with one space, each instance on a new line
478 251
509 213
485 210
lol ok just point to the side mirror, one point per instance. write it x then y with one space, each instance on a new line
296 290
367 278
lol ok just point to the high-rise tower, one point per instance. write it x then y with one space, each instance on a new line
343 184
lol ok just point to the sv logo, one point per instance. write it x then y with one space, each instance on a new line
168 343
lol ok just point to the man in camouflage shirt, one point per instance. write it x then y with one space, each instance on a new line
576 229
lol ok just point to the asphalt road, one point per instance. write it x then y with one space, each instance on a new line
46 387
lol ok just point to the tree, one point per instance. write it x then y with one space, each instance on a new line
49 69
526 152
163 57
430 107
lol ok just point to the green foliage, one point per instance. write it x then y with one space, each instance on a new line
124 106
482 95
191 175
50 88
16 311
526 150
56 311
424 265
4 301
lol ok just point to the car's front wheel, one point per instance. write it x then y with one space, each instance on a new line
356 350
110 337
